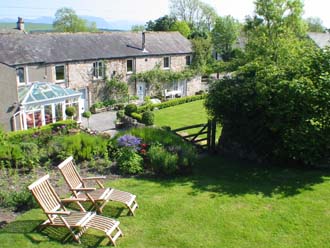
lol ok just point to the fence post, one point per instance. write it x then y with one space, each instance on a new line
213 132
209 135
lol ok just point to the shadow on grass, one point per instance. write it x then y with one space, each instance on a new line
31 230
224 176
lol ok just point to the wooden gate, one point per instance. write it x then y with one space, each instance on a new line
203 139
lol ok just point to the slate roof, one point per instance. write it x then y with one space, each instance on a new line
321 39
18 49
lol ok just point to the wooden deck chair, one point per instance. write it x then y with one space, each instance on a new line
98 196
76 222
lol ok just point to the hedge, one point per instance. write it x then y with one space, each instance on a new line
172 103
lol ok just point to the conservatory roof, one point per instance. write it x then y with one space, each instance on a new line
44 92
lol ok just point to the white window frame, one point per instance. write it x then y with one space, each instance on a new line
169 62
64 73
133 65
96 69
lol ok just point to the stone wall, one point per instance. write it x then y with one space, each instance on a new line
195 84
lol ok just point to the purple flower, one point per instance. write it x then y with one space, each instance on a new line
129 141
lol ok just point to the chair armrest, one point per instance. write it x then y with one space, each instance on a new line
60 212
66 200
94 178
83 189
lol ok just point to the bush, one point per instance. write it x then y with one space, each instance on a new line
162 161
148 118
87 114
120 114
70 111
18 200
184 152
137 116
82 146
171 103
130 108
129 162
271 113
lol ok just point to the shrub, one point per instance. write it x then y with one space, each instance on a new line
148 118
171 103
82 146
137 116
162 161
129 141
70 111
130 108
87 114
18 200
120 114
129 162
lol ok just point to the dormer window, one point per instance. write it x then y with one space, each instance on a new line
166 63
20 73
98 69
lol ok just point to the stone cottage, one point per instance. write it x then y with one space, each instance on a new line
80 62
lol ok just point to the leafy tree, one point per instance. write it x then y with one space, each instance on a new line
137 28
276 107
202 54
274 23
224 35
315 24
182 27
199 15
66 20
163 23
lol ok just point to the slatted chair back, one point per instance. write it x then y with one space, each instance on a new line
45 195
70 173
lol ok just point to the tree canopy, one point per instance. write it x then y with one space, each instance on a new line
199 15
224 35
315 24
163 23
182 27
66 20
276 105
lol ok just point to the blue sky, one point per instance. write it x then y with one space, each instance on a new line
139 10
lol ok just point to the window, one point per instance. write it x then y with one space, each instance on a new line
20 75
166 62
188 60
59 73
129 65
98 69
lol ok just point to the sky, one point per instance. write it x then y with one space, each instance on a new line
141 11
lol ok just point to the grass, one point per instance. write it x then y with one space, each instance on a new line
181 115
29 26
225 204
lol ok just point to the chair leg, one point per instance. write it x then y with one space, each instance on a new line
118 234
132 207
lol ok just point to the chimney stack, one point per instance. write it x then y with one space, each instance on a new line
144 42
20 24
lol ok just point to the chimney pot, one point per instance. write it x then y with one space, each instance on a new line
20 24
144 42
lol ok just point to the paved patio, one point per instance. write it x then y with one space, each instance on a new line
101 122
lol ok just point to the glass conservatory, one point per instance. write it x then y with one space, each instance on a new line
44 103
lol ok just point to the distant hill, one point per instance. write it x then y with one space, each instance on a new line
28 26
45 23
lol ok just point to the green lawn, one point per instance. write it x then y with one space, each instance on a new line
223 204
29 26
181 115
